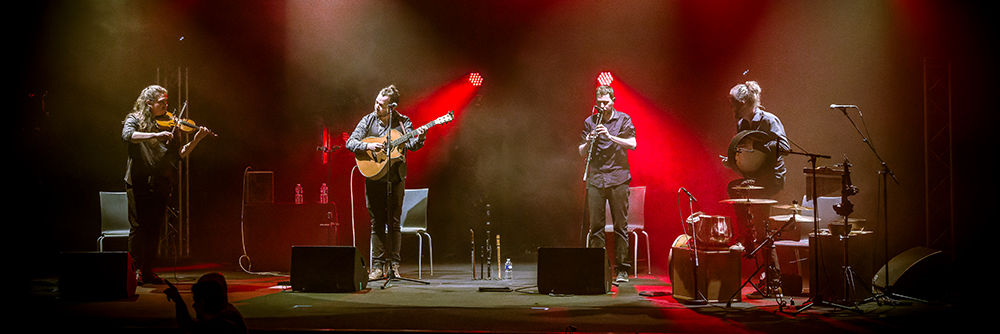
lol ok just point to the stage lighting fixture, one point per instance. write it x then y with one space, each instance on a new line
475 79
605 78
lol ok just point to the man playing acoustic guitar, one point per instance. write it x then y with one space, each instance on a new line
384 190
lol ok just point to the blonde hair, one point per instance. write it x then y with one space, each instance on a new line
391 92
141 108
747 92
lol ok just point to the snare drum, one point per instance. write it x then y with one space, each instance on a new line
793 231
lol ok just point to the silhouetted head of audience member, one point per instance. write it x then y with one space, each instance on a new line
210 295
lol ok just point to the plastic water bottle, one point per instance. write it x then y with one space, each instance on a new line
323 194
298 193
508 270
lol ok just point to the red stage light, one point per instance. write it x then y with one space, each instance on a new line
605 78
475 79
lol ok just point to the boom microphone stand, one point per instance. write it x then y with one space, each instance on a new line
814 296
884 296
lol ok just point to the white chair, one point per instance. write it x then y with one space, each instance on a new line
824 210
636 225
414 221
114 217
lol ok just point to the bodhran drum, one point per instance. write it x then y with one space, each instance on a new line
713 232
681 241
747 154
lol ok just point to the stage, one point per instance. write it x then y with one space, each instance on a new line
452 302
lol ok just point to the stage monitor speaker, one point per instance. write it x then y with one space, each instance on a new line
96 276
328 269
718 274
917 272
260 187
576 271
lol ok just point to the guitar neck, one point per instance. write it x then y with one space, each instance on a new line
406 137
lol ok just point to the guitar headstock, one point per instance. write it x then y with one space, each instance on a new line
446 118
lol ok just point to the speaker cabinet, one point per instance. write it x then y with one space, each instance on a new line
718 274
260 187
96 276
917 272
832 282
328 269
272 229
576 271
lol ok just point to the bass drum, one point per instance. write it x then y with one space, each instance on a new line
713 232
747 154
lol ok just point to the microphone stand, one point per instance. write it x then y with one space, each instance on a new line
698 298
884 296
814 295
584 230
330 222
391 276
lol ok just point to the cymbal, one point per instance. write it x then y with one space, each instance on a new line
748 201
747 187
798 218
795 206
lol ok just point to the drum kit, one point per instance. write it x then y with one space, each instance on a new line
751 156
748 157
715 233
703 232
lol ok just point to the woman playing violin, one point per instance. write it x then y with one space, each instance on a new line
149 170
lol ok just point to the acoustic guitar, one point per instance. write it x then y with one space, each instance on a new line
372 164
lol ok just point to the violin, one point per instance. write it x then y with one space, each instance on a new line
167 121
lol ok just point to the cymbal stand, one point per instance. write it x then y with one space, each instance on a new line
767 244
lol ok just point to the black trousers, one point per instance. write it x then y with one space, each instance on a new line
147 211
385 207
617 198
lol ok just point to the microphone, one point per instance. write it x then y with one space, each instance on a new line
596 109
843 106
689 194
327 149
392 105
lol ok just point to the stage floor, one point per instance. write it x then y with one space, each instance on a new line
452 302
